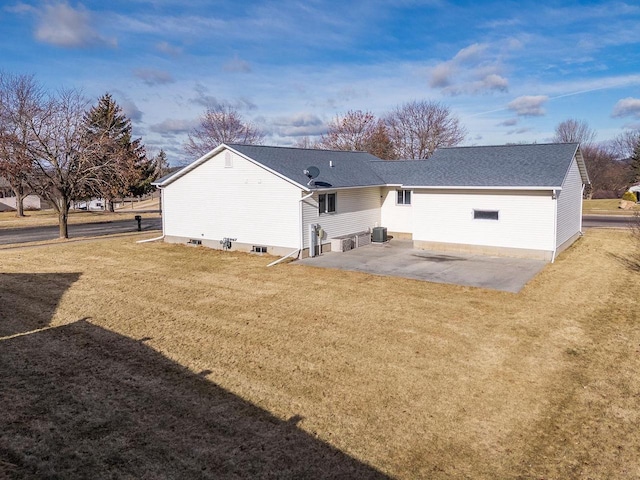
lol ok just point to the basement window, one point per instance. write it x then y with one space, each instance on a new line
404 197
194 241
259 249
485 214
326 203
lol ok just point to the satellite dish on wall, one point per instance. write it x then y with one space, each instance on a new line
311 172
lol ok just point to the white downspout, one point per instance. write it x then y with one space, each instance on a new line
150 239
283 258
162 236
302 222
299 251
554 197
581 204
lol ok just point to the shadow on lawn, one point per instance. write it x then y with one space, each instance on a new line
80 401
29 300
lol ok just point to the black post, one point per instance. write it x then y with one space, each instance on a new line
139 220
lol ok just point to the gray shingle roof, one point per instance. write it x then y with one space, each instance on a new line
537 165
350 169
518 166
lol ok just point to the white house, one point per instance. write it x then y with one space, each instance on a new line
516 200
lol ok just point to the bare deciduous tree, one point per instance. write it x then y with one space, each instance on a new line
305 142
221 124
417 128
358 131
574 131
625 143
62 167
17 96
609 176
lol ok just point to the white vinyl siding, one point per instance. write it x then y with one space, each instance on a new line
229 196
569 205
526 219
397 218
357 209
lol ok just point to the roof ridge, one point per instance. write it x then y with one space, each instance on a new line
510 145
282 147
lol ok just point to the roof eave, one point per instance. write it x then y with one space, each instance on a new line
478 187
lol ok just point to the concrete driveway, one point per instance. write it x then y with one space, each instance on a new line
398 258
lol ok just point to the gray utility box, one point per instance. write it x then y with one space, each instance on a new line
379 234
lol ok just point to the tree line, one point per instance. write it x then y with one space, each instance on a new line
414 130
58 146
612 165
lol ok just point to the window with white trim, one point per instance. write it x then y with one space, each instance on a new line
326 203
403 197
486 215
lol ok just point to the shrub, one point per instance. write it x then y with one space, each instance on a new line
630 196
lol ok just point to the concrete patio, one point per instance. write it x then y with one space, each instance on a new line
398 258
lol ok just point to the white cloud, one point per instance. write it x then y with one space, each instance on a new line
470 71
168 49
172 127
128 106
510 122
297 125
627 107
471 54
153 77
528 105
441 75
237 65
61 25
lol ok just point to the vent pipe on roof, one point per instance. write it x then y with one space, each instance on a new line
331 163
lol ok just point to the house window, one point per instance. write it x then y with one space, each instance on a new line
485 214
404 197
326 203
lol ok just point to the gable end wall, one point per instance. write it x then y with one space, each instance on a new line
569 216
245 202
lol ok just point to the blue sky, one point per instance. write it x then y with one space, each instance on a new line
510 71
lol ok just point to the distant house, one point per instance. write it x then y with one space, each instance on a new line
8 200
517 200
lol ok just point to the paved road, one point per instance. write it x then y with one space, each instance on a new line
617 221
38 234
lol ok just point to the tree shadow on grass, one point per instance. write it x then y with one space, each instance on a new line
630 262
80 401
29 300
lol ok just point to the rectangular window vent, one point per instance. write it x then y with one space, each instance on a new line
194 241
228 160
259 249
485 215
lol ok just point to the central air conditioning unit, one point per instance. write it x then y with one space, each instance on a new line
379 235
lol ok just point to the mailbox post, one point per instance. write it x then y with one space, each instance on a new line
139 220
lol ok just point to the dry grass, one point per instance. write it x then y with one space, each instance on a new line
149 204
165 361
40 218
605 206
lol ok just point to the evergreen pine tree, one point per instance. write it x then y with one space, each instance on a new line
119 161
